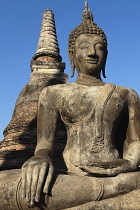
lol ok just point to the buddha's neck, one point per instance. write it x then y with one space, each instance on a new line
88 80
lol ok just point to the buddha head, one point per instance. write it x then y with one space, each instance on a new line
88 47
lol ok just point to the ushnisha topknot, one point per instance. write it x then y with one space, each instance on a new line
86 27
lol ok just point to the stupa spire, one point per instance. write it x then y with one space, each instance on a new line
48 43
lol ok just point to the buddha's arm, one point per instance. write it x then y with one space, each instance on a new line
34 170
131 157
131 154
132 143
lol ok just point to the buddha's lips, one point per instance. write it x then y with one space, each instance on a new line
95 61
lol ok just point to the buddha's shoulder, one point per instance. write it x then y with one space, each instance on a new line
60 87
128 92
63 89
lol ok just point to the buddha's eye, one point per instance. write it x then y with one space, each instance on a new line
83 47
99 46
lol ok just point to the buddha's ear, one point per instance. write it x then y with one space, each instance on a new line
104 63
71 57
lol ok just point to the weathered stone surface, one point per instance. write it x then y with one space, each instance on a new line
74 194
103 139
48 44
99 167
20 136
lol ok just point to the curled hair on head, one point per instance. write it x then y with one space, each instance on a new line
86 27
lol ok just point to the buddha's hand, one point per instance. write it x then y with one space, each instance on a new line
111 168
34 173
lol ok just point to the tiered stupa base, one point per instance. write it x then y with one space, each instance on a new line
20 136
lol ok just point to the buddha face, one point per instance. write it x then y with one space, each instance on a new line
89 54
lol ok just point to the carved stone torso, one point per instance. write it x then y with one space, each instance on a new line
91 115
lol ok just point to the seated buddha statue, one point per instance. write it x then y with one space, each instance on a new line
102 153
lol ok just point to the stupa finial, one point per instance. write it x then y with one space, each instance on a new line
48 43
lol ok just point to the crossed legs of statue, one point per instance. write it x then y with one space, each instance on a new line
74 192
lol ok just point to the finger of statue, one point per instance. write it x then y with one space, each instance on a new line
28 184
40 181
48 179
116 171
34 184
23 186
95 170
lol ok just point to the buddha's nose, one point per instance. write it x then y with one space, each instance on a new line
92 51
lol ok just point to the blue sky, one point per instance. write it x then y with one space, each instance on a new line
20 23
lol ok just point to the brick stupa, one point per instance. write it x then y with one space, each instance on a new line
20 135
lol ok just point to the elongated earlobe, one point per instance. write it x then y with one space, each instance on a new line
103 72
103 69
72 70
72 64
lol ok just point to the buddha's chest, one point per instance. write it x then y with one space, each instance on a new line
77 106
